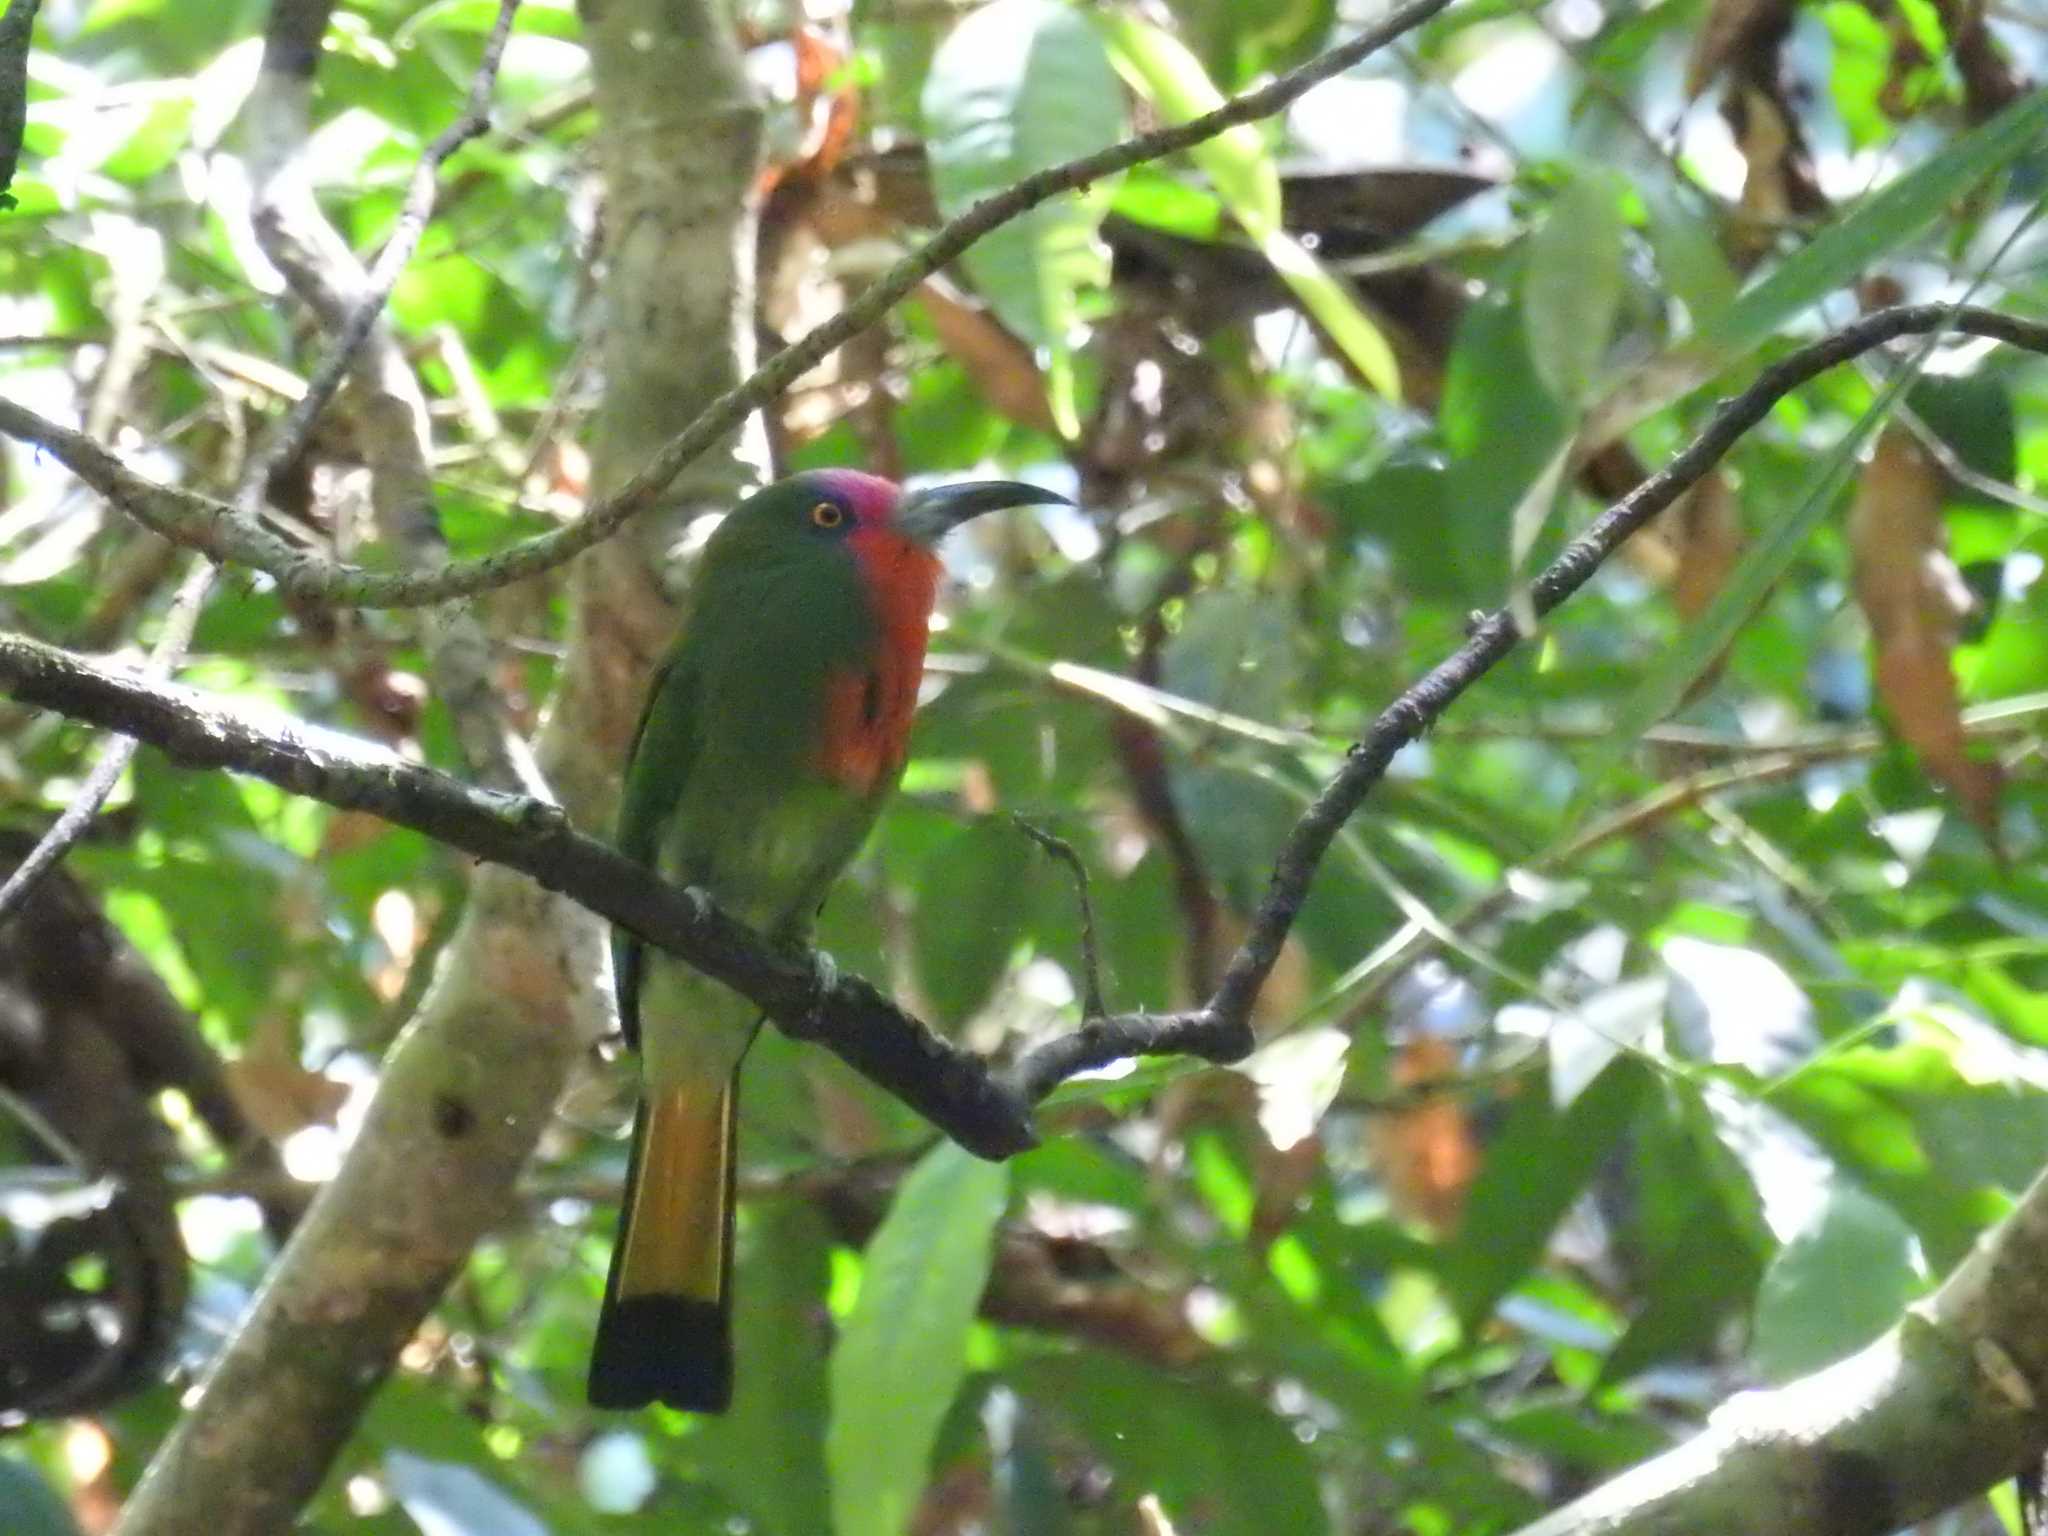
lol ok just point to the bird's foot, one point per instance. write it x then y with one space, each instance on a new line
699 900
824 978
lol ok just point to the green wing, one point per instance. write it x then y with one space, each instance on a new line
664 752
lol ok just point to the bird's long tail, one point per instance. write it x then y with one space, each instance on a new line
665 1330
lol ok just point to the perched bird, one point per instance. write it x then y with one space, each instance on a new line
774 730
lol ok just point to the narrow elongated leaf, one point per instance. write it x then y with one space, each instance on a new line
1241 168
1835 257
903 1352
1017 87
1752 578
1572 287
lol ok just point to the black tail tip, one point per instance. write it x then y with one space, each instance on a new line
668 1349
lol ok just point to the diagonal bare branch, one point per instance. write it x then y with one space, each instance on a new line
950 1087
208 525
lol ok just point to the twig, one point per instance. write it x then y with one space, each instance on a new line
1091 959
209 525
950 1087
114 758
397 445
281 445
366 305
1220 1029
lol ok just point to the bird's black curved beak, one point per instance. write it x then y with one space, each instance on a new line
930 514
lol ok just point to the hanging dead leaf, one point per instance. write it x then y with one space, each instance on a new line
1002 367
1733 27
1707 524
1425 1151
278 1095
1916 601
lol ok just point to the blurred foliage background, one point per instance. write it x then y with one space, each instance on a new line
1674 1014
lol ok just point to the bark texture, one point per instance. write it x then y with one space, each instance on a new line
518 994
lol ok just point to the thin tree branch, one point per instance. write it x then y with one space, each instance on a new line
78 816
1220 1030
385 392
212 527
1945 1404
15 28
1091 959
281 192
847 1014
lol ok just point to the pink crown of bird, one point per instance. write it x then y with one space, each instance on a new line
774 729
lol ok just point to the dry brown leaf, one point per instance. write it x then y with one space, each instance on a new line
1708 526
1731 27
1916 601
1001 367
1425 1152
280 1096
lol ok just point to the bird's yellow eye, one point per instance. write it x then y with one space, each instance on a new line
826 515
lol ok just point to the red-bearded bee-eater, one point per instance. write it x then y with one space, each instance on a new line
774 730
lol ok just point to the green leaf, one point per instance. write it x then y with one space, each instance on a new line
1019 86
1689 255
903 1352
1506 434
1242 169
1762 565
1149 196
969 916
1166 73
1844 250
1571 289
28 1504
777 1417
1838 254
1836 1286
1218 1459
1533 1173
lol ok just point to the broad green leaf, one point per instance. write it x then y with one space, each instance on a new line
1017 87
1218 1459
1836 1286
1697 1230
28 1505
1689 255
1507 435
1533 1172
778 1409
969 916
1571 287
1242 169
903 1351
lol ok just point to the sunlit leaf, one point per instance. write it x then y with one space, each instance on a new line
903 1352
1241 168
1020 86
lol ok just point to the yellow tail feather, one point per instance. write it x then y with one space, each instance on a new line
665 1330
